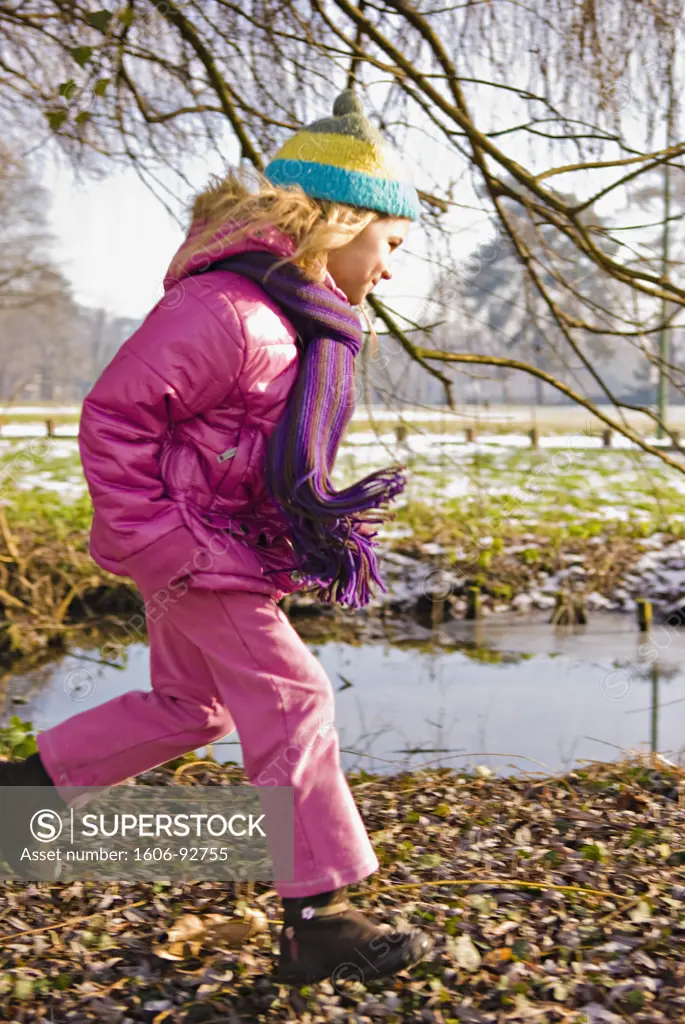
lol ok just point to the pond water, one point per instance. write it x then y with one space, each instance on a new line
513 696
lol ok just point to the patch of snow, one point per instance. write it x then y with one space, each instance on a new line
74 487
433 549
655 541
364 437
541 600
48 449
397 532
611 512
456 488
397 559
23 430
672 580
675 550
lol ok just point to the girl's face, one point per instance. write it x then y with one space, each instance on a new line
359 265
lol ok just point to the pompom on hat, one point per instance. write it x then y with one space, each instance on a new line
344 158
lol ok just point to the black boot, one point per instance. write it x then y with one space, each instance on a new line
18 807
323 936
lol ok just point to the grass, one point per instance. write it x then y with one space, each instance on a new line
503 516
47 512
577 493
60 418
513 493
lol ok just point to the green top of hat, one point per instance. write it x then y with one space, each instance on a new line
347 103
348 118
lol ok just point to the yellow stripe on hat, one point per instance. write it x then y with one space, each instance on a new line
344 151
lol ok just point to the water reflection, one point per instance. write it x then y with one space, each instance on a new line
514 697
656 671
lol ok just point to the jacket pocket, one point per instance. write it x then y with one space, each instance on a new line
182 474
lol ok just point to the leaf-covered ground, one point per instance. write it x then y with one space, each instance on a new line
552 899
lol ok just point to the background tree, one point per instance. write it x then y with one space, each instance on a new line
27 276
49 344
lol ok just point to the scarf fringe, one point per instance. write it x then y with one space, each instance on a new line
338 560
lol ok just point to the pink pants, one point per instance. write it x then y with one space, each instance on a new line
223 661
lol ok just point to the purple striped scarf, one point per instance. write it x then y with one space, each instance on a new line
336 557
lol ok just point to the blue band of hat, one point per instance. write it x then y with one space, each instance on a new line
324 181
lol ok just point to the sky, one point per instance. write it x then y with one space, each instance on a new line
113 239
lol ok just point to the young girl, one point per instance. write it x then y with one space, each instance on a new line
207 445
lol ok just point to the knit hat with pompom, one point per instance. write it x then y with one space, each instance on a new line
344 158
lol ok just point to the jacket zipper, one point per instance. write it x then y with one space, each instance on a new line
226 455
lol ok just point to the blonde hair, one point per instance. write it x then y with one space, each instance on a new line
315 225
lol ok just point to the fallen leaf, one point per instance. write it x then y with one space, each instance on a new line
190 933
234 931
466 954
641 913
504 927
177 950
164 1015
497 956
187 927
597 1014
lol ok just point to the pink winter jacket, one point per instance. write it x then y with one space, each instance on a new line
173 437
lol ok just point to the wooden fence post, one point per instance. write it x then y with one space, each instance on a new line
473 606
644 614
